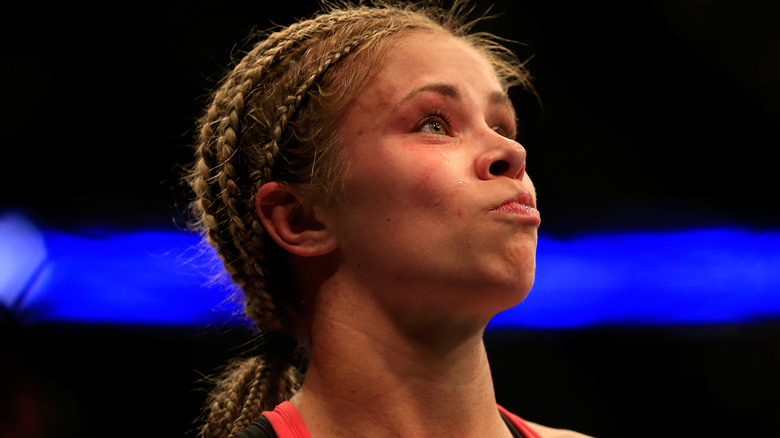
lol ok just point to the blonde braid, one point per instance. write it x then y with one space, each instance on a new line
229 100
241 240
250 386
255 384
293 102
233 407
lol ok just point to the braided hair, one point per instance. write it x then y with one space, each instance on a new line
274 117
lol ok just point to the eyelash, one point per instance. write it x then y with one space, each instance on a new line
445 119
505 131
437 116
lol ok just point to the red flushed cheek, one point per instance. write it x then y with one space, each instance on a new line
424 179
427 173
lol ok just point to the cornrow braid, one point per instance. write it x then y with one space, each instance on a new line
240 240
244 391
293 102
274 117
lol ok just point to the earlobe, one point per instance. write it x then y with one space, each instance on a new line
292 222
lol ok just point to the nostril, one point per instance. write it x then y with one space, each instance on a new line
499 167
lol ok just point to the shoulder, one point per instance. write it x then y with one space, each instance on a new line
549 432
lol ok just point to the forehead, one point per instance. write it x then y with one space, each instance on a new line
417 59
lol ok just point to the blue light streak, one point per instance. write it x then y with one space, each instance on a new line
164 277
717 275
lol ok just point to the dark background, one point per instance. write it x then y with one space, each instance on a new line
655 115
668 107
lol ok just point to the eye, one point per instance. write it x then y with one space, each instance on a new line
437 123
505 131
433 127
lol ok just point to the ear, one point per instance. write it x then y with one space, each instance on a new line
292 222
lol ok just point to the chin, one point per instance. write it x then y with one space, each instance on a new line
518 294
504 292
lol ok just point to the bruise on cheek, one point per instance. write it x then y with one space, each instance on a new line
422 189
429 189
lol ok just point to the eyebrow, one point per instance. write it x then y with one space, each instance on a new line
495 97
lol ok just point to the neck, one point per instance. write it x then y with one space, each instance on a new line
372 374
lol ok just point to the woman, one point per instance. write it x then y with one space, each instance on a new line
358 176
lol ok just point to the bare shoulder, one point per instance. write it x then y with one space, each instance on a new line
549 432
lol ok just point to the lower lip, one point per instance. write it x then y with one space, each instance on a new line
522 211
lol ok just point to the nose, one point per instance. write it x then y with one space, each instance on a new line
505 157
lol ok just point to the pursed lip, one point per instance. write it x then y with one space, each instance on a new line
523 198
521 206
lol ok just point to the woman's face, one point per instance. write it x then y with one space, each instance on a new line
439 211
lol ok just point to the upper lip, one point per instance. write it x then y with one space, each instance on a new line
523 198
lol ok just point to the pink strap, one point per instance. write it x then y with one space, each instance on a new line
286 421
519 423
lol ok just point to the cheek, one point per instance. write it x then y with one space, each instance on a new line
414 177
436 186
529 185
426 184
432 176
395 182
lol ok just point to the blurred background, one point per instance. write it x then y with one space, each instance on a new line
656 309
